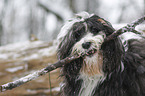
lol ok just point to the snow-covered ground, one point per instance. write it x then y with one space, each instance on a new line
20 59
27 50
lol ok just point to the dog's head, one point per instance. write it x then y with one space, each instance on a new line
83 33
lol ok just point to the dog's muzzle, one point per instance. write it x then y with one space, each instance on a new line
89 43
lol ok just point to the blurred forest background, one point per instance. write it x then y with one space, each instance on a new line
28 29
20 20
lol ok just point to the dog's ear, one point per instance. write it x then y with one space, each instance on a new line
106 23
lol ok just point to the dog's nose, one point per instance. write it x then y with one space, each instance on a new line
86 45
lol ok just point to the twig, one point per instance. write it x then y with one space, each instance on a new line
11 85
61 63
129 27
50 84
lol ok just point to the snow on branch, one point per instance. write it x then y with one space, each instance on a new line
61 63
128 28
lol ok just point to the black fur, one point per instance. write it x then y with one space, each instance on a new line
119 81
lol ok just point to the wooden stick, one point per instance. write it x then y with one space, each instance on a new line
128 28
60 63
11 85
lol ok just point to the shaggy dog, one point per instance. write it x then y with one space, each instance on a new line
113 69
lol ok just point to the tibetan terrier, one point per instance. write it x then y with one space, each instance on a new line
115 68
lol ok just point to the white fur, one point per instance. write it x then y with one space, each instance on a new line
88 85
122 66
66 28
95 40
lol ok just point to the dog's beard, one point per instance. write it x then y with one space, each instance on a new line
92 63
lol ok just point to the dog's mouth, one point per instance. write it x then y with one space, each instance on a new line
88 53
91 52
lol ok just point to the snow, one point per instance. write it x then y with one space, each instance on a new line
14 69
56 89
51 23
3 56
48 51
59 8
126 10
117 26
140 27
33 56
26 50
130 35
31 91
20 46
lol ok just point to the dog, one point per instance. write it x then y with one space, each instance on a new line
116 68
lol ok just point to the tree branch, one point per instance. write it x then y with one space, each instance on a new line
128 28
49 9
36 74
61 12
61 63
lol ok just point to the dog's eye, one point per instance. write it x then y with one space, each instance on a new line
76 36
94 31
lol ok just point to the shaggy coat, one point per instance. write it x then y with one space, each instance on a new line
119 72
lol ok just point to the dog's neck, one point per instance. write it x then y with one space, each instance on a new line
89 84
91 73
